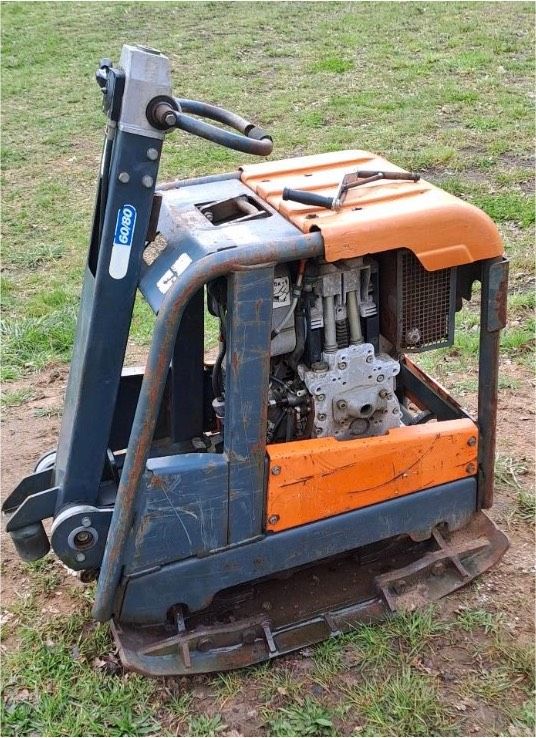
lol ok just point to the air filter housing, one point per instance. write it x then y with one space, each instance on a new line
417 307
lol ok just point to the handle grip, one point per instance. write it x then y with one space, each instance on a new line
308 198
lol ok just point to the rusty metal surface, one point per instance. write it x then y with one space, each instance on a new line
259 621
158 361
492 319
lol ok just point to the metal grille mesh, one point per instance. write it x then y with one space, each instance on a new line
427 309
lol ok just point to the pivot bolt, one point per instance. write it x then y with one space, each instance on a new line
152 154
471 441
170 119
123 177
276 470
147 181
273 519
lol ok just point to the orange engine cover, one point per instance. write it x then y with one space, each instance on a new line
442 230
315 479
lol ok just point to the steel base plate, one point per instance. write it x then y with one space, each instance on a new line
264 619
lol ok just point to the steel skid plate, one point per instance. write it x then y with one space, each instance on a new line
258 621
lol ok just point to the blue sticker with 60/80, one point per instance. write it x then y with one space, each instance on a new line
123 238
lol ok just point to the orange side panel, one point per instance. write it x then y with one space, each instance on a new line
442 230
311 480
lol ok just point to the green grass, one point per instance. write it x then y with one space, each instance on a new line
308 717
471 117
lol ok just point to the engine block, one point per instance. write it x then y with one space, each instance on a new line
354 393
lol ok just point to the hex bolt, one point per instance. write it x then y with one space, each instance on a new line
86 522
273 519
321 416
471 441
341 365
342 404
470 468
380 378
152 154
384 393
170 119
147 181
123 177
80 557
276 470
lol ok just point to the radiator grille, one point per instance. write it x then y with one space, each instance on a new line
427 305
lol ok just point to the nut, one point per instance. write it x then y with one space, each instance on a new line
276 470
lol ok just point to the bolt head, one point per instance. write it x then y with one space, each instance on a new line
276 470
321 398
370 359
321 416
170 119
86 522
342 404
342 365
147 181
471 441
470 468
380 378
80 557
152 154
273 519
123 177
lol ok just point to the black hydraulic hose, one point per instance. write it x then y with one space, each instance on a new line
252 139
296 355
236 141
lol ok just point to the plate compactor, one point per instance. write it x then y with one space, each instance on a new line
309 477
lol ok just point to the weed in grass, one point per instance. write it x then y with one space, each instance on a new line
228 684
518 658
327 657
490 685
44 574
401 703
416 629
508 469
205 725
333 64
469 619
15 398
180 705
307 717
278 681
526 506
374 645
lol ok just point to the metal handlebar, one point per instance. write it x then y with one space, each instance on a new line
166 113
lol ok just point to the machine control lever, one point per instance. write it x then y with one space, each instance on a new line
348 182
166 113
